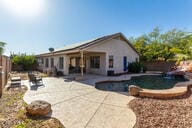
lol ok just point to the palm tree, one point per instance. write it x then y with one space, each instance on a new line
2 46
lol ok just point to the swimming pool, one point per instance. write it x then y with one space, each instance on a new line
146 81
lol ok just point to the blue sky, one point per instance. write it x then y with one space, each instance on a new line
62 22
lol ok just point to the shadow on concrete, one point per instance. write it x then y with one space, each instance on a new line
89 79
35 87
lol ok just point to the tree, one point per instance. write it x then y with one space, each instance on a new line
154 36
140 44
171 45
26 61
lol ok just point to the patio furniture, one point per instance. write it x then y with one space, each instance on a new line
15 81
35 79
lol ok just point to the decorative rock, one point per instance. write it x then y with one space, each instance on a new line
52 123
38 108
134 90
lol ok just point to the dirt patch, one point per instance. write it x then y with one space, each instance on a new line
156 113
13 112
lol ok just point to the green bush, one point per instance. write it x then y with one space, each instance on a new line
26 61
135 67
144 68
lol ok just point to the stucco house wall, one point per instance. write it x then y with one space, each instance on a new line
118 49
56 63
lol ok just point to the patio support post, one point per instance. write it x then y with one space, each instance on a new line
82 64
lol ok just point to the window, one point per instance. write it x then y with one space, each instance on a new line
136 59
47 62
60 62
95 61
110 61
52 62
39 61
42 60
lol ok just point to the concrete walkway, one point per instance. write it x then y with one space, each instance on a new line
77 104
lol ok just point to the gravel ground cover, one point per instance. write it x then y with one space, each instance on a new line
13 113
156 113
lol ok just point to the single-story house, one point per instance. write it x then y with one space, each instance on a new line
104 55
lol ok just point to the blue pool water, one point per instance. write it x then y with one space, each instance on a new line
147 82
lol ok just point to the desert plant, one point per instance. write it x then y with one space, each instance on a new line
135 67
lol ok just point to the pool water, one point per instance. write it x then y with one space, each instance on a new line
147 82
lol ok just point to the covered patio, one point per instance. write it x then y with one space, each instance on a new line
86 62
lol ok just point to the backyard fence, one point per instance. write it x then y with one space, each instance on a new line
5 68
20 68
159 65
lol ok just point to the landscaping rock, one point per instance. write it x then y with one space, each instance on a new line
134 90
52 123
38 108
157 113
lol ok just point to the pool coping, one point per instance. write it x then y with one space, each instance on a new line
178 90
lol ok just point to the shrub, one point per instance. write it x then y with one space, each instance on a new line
21 125
135 67
144 68
26 61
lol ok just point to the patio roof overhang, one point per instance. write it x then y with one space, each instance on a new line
69 53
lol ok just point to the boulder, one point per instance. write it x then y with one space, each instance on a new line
134 90
38 108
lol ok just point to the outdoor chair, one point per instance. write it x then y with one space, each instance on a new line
15 81
35 79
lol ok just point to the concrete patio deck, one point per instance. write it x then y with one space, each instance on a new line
78 104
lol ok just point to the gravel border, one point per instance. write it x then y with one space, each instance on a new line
13 113
168 113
